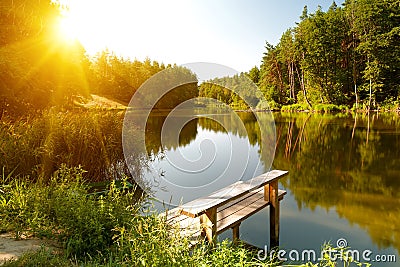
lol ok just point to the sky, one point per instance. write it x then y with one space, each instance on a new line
228 32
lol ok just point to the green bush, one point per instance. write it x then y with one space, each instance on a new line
295 107
329 108
391 104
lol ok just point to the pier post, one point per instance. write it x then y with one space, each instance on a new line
208 222
235 233
273 214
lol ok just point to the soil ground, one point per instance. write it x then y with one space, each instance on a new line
10 248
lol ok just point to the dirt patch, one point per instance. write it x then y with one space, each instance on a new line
100 102
10 248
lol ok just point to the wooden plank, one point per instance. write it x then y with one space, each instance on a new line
247 206
241 211
199 206
173 218
231 209
266 192
236 201
228 216
254 196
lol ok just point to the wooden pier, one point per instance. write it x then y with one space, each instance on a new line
208 216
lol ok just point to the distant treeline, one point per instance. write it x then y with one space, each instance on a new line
119 79
347 55
237 91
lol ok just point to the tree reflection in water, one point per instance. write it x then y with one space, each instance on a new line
343 162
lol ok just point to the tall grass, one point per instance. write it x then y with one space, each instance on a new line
37 147
64 210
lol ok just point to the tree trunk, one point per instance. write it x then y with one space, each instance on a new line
302 85
292 83
355 92
353 43
370 94
280 76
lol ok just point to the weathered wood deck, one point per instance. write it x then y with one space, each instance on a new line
226 208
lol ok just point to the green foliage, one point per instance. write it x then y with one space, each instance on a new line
148 242
254 74
327 108
63 209
268 105
169 79
38 146
92 226
21 19
391 104
340 56
117 77
295 107
238 91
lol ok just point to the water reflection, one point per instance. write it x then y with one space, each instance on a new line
351 164
341 167
194 156
153 134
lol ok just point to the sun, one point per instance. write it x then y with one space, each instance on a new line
67 29
96 24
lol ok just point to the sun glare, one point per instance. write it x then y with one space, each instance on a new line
129 28
67 29
95 24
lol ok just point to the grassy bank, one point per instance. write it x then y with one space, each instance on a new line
332 108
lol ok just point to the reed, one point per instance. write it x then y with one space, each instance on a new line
36 147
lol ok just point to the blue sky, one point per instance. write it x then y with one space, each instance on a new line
243 27
228 32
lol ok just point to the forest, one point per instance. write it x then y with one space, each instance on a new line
344 56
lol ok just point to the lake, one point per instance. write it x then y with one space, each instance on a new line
343 182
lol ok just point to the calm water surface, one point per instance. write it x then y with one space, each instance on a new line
344 174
